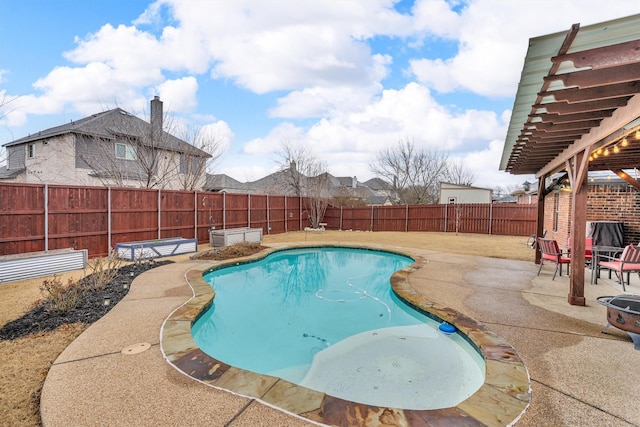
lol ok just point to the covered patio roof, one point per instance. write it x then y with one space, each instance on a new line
578 109
577 90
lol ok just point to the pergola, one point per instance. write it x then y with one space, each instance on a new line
577 110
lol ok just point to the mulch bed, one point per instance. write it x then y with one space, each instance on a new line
45 317
91 307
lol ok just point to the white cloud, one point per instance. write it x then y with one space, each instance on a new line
324 63
179 94
492 37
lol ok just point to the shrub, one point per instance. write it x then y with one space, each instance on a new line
59 296
102 271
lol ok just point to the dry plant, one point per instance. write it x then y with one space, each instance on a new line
62 298
102 271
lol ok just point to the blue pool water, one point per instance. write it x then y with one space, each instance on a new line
298 313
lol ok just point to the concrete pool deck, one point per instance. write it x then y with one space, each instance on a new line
115 373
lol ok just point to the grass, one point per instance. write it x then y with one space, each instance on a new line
24 362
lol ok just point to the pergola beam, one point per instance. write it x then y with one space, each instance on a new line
608 126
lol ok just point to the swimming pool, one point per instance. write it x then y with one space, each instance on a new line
327 319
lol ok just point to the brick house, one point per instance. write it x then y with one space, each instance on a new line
111 148
608 199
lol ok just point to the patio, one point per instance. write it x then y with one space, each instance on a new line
579 375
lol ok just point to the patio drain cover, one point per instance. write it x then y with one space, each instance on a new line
136 348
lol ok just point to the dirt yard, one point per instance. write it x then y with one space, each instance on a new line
24 362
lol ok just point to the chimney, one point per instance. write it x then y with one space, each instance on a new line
292 166
354 182
156 118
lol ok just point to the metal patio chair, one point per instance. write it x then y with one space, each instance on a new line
551 252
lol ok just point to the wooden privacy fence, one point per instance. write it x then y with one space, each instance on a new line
44 217
41 217
485 218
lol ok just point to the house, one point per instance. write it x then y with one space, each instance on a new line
527 195
343 191
609 199
455 193
112 148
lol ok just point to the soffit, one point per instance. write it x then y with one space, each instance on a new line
573 83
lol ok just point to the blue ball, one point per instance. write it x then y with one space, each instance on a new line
447 328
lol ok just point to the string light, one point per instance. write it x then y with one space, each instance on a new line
624 142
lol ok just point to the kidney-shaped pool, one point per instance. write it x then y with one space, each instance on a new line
327 319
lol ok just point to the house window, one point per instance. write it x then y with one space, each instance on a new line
192 168
31 150
452 200
556 211
125 151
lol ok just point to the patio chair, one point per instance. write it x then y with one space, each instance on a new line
588 249
628 262
551 252
532 240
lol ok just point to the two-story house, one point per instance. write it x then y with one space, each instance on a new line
112 148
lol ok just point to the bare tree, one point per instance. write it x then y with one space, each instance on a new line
193 165
4 112
306 176
414 172
458 174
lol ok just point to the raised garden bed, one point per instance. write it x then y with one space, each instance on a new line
147 249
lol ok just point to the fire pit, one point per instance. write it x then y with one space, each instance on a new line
623 312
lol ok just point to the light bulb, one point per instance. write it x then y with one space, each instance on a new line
624 142
616 149
606 152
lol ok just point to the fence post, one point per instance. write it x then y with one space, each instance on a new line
341 217
224 211
406 218
490 217
371 225
249 210
195 215
46 217
159 215
268 217
300 204
286 215
109 219
446 211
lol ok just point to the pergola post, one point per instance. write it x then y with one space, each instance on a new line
540 219
577 172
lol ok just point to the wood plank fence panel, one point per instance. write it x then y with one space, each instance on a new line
277 214
294 208
258 212
22 218
78 218
210 213
515 220
236 210
177 214
426 217
134 215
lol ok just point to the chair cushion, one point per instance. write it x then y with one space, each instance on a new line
611 265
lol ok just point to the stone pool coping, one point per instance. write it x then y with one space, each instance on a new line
501 400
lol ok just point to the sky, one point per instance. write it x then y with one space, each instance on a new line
344 78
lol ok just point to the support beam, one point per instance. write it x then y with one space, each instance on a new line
576 170
609 125
540 219
625 177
